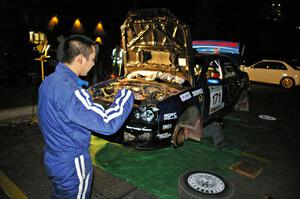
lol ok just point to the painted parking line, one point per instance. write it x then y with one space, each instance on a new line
10 189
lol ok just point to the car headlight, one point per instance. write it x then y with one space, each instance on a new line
147 115
136 114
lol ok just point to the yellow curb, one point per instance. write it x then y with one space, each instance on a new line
10 189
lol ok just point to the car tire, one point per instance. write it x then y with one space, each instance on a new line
189 186
178 136
287 82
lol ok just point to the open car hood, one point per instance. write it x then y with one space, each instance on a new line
145 90
157 58
156 40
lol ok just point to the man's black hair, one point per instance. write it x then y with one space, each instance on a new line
75 45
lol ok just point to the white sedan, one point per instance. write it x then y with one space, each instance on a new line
274 72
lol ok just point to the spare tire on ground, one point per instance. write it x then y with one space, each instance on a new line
194 184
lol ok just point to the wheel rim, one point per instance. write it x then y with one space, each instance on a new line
206 183
287 82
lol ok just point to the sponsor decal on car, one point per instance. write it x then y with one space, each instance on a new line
166 126
138 128
170 116
185 96
197 92
164 135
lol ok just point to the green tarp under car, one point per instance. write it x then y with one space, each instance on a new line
157 171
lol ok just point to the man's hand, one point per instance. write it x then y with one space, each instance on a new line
138 96
123 82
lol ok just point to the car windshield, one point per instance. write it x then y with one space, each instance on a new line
213 67
295 64
153 75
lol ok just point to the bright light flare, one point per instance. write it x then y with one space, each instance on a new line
99 30
77 27
98 40
53 22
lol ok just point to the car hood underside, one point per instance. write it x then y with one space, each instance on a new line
146 92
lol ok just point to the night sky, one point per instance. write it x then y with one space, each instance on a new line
253 23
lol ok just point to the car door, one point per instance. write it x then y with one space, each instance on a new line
210 80
231 81
258 71
275 72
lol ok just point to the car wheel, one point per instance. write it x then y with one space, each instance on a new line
287 82
194 184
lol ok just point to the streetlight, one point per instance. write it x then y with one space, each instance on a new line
98 40
99 30
77 26
53 22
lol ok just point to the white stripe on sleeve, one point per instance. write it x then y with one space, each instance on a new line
118 108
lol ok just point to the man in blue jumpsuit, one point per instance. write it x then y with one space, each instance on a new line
67 115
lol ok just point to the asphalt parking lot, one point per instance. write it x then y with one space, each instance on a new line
276 142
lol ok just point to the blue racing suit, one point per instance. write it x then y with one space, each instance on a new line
67 115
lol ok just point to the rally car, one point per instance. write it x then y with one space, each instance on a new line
177 90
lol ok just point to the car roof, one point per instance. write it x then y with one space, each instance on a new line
274 60
268 60
200 55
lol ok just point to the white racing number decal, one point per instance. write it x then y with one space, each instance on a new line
216 95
